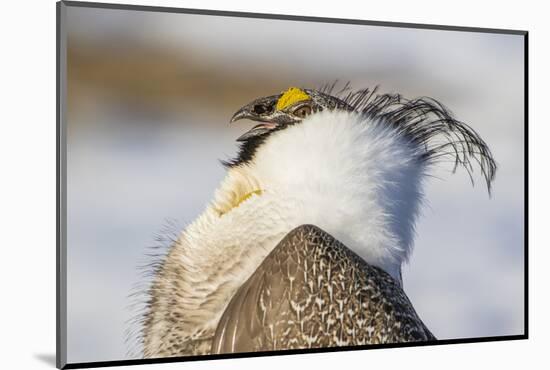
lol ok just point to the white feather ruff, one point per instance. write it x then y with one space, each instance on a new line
359 181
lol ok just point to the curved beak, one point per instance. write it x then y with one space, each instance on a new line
242 113
261 110
245 112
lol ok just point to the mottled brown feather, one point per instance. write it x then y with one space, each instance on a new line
311 291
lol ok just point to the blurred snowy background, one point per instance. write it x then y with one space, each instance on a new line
149 99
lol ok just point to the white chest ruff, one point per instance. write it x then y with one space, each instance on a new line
359 181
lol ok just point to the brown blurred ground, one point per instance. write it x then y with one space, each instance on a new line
155 78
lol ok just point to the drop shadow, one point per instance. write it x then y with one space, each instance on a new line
47 358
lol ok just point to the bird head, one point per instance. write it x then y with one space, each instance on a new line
423 123
276 112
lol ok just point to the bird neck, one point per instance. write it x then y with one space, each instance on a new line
358 180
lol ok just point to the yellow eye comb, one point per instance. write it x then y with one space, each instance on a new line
291 96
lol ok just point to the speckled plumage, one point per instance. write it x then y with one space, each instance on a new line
312 292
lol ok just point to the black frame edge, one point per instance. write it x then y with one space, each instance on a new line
289 352
526 185
61 246
288 17
61 324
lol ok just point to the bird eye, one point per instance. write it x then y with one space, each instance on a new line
260 109
303 112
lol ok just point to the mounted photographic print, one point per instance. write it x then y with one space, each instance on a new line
234 184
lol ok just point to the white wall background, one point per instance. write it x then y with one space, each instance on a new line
28 197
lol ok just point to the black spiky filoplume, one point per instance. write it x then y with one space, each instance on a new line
423 121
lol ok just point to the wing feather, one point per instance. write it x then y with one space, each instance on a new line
312 291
